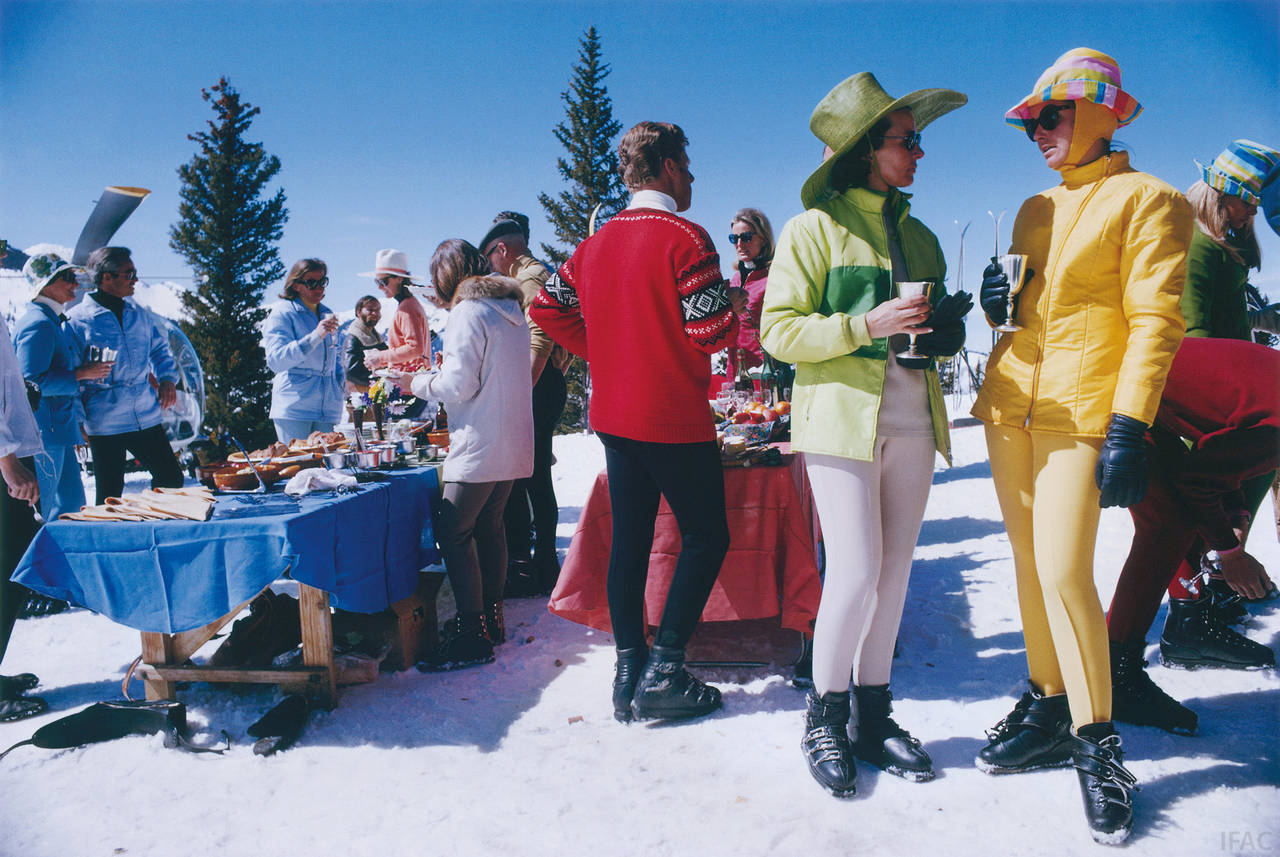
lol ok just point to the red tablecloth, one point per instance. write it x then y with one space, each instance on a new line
770 569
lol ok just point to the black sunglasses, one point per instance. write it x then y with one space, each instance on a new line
741 236
1048 119
313 284
910 142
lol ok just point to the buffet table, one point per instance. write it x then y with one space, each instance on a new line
770 570
180 581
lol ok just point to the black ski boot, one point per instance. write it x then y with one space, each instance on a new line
495 625
522 580
1193 638
13 686
882 742
1036 734
1227 604
1136 699
826 743
802 669
464 645
1105 784
625 675
669 691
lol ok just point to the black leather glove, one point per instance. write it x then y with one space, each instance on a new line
994 294
947 321
1121 471
945 340
949 308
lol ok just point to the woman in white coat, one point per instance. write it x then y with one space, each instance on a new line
484 379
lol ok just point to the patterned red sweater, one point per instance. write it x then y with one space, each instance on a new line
643 301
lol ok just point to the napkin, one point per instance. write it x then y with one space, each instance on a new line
317 479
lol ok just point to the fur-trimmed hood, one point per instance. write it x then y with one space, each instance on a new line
504 292
489 286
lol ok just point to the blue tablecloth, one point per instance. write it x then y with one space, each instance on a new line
364 548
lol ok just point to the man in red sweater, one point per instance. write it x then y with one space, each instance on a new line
1217 427
643 302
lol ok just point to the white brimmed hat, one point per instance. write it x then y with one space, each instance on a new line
41 269
390 262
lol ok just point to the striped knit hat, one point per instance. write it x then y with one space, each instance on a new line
1241 169
1080 74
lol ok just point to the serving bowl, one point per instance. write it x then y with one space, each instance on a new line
236 477
750 432
368 458
339 459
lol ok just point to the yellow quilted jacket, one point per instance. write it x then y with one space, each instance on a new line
1101 317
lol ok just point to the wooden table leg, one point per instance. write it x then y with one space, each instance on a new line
317 639
157 648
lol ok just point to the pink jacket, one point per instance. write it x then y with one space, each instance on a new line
409 338
748 350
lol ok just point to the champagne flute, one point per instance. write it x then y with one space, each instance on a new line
911 358
724 397
1014 266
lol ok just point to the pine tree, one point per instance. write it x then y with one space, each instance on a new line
591 169
588 136
227 232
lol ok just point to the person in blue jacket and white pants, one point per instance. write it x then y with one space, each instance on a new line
304 349
122 410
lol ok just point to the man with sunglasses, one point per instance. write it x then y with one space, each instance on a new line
122 410
506 246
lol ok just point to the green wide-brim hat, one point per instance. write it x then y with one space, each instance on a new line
849 111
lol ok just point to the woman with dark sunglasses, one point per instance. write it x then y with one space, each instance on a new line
1066 401
409 338
869 427
305 351
751 235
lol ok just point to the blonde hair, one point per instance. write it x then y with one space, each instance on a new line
1211 216
761 226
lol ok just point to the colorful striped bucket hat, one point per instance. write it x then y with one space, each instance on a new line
1080 74
1241 169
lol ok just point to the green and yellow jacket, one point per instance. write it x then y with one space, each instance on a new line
832 267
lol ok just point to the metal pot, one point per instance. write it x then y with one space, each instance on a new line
368 458
406 445
387 452
430 452
338 460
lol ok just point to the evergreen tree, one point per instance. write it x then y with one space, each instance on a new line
587 134
591 170
227 232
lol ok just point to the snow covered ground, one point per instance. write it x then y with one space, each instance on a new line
524 758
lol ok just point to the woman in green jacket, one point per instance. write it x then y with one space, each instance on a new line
868 426
1224 246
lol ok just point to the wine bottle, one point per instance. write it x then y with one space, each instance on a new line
743 381
442 418
768 382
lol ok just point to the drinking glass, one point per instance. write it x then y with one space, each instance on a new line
912 358
1014 266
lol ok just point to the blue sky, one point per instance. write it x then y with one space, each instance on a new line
402 124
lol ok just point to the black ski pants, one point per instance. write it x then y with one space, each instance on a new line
690 477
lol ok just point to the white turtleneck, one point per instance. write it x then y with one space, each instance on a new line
648 198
